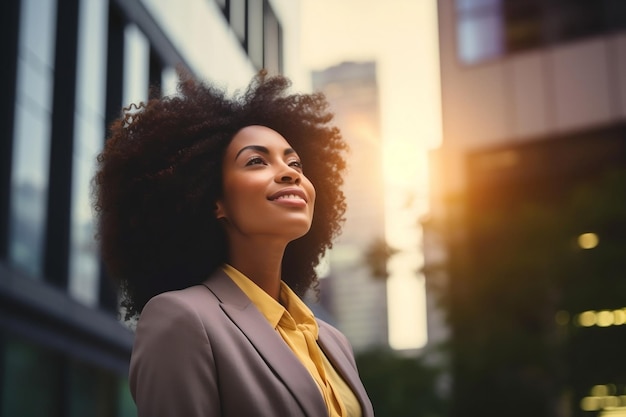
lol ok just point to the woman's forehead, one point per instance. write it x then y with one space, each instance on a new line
257 135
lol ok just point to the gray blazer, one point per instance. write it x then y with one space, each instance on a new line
207 351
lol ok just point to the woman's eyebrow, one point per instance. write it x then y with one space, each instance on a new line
257 148
262 149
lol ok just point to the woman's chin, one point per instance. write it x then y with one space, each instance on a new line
299 232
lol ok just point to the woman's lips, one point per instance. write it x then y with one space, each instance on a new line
289 194
291 197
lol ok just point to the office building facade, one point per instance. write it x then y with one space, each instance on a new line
534 137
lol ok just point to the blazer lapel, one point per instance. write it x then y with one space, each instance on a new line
244 314
338 359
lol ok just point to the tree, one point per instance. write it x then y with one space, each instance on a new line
510 271
400 386
376 256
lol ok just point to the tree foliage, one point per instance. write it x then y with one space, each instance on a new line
376 257
400 386
510 271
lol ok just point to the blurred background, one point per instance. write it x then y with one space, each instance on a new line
481 268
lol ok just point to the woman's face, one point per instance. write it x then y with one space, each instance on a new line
265 190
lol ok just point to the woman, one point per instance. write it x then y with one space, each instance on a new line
206 219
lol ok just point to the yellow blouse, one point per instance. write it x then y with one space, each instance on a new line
297 326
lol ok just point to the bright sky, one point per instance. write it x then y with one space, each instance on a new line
401 36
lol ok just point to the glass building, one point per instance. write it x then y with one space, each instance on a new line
68 68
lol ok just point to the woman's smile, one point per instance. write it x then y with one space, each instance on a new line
290 197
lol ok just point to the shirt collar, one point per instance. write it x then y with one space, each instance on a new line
271 309
300 313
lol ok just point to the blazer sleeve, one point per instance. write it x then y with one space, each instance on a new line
172 369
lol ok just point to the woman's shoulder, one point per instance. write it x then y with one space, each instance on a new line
194 296
179 303
186 296
192 293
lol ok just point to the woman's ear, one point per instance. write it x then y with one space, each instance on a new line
219 211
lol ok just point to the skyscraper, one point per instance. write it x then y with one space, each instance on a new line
357 291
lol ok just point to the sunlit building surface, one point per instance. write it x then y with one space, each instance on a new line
67 69
526 235
355 289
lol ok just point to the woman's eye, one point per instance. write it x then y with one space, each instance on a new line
296 164
255 160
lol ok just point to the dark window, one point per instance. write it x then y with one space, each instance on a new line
255 33
487 29
93 391
222 3
155 74
40 382
573 19
523 24
31 380
272 41
237 19
9 27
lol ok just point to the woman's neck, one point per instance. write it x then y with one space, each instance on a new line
261 263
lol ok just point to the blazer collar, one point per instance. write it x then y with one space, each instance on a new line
244 314
349 374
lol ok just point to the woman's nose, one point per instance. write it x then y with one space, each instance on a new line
288 175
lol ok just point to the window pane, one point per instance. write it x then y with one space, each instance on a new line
29 191
126 406
92 391
169 82
272 43
37 29
29 184
34 84
136 66
31 381
92 45
480 38
237 18
573 19
255 33
84 260
88 140
524 24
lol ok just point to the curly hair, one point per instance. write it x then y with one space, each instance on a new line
160 175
